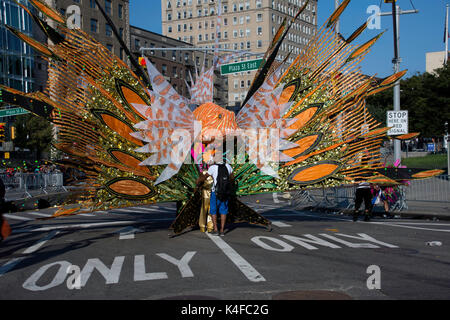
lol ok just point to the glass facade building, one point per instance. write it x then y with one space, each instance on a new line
16 58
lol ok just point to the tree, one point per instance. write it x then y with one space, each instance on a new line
34 133
427 98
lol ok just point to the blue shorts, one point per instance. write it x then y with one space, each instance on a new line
217 205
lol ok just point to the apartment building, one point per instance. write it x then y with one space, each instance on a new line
175 65
246 25
85 14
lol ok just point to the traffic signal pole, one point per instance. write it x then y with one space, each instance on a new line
396 12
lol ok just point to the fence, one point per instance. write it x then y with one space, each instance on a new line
21 185
436 189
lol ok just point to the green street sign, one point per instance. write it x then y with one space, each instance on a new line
13 112
240 66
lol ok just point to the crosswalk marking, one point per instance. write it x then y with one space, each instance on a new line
281 224
10 216
39 214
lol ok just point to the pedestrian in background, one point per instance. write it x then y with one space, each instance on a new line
5 229
363 193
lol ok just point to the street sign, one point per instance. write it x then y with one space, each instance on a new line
240 66
13 112
398 120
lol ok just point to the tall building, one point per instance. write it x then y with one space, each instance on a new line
16 58
246 25
85 15
19 67
435 60
175 65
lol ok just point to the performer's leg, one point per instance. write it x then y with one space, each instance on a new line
358 202
213 210
367 204
223 215
223 218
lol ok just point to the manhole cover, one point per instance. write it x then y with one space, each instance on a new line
311 295
190 298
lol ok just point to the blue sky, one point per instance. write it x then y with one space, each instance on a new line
419 33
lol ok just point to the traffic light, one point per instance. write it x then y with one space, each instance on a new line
2 132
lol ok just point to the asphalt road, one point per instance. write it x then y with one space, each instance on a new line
127 254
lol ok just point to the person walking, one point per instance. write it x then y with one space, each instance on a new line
363 193
221 191
5 229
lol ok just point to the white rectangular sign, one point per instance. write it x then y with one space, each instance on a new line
398 120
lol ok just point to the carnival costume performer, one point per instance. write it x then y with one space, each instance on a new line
302 125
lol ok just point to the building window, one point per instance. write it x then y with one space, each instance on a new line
169 29
259 31
259 44
93 4
137 44
94 25
259 17
120 11
259 4
121 33
164 69
108 30
109 47
108 7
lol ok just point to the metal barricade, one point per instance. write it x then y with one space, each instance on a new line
21 185
436 189
432 189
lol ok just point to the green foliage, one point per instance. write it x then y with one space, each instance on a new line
427 98
34 133
433 161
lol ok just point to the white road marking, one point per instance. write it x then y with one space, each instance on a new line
409 227
281 224
392 224
90 225
275 197
12 263
245 267
39 214
80 226
10 216
128 233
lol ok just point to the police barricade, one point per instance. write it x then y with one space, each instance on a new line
436 189
22 185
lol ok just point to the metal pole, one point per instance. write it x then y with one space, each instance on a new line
396 61
447 137
336 5
396 12
446 36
